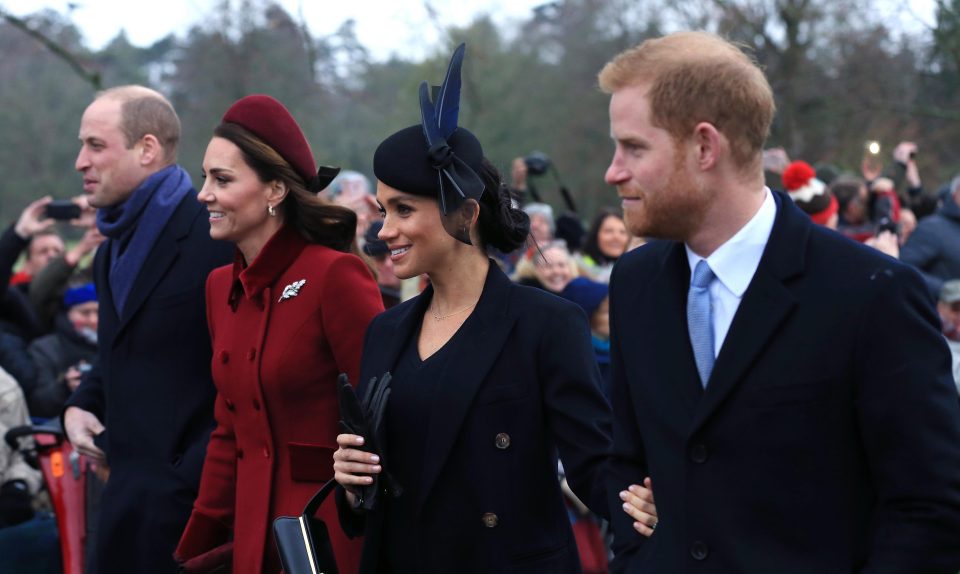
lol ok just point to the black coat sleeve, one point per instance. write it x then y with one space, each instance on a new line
577 411
11 245
909 419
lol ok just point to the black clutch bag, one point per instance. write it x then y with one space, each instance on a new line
303 541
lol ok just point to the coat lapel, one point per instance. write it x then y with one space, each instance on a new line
165 251
766 304
671 336
478 346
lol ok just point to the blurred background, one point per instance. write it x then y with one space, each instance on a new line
844 72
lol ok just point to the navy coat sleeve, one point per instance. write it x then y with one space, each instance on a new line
910 427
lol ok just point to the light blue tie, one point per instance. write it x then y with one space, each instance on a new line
699 319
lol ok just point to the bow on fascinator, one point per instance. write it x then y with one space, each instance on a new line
460 187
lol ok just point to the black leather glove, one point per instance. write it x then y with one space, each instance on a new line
15 503
365 418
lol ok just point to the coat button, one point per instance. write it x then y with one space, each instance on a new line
252 354
490 520
176 461
502 441
266 452
699 454
239 453
699 550
224 357
256 404
229 404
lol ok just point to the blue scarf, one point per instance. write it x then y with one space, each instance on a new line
130 236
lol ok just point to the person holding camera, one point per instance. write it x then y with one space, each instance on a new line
49 284
32 235
934 246
63 356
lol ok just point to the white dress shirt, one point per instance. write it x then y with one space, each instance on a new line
734 263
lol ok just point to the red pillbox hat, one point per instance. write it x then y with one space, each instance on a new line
269 120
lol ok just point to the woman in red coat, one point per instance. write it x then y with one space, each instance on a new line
285 319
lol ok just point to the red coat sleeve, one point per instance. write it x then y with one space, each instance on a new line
351 285
211 522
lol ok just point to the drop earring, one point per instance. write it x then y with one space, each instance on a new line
271 210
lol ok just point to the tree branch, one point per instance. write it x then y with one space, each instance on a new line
91 76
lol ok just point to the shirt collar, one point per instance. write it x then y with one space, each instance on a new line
735 262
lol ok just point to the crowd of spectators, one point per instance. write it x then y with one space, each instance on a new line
49 308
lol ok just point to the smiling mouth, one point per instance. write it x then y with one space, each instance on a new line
399 251
216 215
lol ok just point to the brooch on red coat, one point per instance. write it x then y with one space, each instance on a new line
292 290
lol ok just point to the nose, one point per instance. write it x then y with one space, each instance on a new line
616 173
82 162
205 195
387 232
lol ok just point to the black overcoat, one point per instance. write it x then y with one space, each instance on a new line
152 390
521 385
828 437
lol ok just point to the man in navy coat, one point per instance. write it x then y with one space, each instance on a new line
147 406
786 391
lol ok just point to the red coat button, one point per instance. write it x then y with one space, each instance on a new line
256 404
239 453
266 452
252 354
224 357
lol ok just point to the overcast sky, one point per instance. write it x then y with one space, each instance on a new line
383 26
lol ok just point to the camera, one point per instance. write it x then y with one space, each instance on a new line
62 209
537 163
887 224
84 367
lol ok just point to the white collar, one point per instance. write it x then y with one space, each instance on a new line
735 262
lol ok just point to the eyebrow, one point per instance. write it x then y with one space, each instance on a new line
409 198
217 170
631 140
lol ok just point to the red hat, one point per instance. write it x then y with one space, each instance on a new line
269 120
809 193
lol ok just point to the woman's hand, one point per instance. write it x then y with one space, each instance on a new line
638 503
352 467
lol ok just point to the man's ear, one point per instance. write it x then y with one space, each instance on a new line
711 145
150 149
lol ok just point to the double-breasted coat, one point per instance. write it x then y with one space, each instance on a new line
521 385
828 436
282 329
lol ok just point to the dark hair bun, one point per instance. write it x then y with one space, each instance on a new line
502 226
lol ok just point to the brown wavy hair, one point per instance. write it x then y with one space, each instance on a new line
317 219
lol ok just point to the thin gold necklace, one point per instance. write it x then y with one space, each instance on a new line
437 317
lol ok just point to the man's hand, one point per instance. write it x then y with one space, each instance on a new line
81 426
886 242
88 215
91 239
775 160
32 218
905 152
72 378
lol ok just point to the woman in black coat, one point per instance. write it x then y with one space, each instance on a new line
490 380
